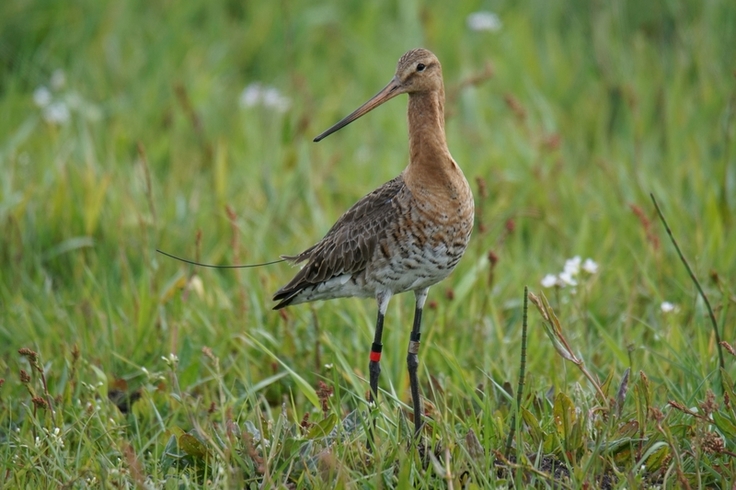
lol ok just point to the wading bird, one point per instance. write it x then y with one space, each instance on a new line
408 234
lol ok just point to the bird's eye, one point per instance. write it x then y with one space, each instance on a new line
421 67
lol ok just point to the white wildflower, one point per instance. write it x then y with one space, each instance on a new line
569 274
572 266
172 360
42 96
56 113
251 95
273 98
567 279
56 438
484 21
270 97
590 266
549 281
668 307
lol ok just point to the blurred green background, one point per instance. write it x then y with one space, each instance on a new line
132 125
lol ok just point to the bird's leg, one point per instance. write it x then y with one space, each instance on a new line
374 367
412 360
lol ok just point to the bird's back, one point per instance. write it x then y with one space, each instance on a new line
390 240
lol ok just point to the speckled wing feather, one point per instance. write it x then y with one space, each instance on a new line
350 243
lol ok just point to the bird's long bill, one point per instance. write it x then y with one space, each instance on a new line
388 92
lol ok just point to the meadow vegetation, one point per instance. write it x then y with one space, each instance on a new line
187 126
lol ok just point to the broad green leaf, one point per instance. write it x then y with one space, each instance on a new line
564 415
323 427
193 446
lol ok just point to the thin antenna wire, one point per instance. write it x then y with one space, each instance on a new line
211 266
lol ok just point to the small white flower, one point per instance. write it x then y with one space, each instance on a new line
484 21
572 266
58 79
273 98
42 96
258 94
56 113
566 279
549 281
56 438
668 307
251 95
590 266
172 360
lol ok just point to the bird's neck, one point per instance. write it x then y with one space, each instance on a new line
431 168
427 141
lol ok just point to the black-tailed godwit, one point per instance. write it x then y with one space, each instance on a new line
408 234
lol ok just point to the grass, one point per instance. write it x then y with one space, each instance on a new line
122 368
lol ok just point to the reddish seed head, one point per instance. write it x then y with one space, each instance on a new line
39 402
515 106
656 414
31 355
432 305
492 258
710 405
510 225
712 443
324 392
75 352
450 294
728 347
715 277
25 378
